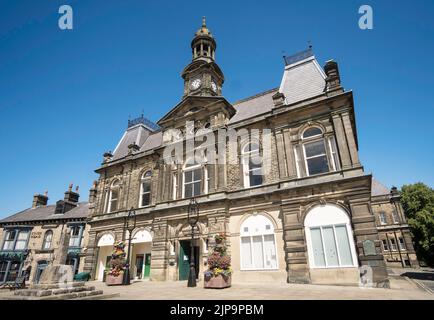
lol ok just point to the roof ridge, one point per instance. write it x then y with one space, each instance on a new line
256 96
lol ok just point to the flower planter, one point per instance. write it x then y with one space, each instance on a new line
114 281
218 282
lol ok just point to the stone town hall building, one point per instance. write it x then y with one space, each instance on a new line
309 217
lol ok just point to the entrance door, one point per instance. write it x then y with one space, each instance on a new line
184 259
139 266
147 265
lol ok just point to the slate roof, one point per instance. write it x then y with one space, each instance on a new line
378 189
302 79
253 106
44 213
136 134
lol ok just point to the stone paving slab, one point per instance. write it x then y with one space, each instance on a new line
149 290
401 289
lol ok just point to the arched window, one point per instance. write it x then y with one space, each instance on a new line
329 238
314 149
145 189
113 196
258 246
48 239
192 179
252 165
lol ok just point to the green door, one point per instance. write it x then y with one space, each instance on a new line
147 270
184 259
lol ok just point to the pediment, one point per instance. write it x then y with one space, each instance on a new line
196 108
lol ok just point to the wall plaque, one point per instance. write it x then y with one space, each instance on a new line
369 248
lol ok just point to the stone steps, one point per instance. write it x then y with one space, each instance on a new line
73 290
66 296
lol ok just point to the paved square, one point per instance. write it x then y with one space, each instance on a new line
402 289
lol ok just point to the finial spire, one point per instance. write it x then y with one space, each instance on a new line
204 21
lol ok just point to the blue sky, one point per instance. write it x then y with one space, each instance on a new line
65 96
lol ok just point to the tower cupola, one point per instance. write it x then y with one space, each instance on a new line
203 44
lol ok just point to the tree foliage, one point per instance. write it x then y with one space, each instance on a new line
418 203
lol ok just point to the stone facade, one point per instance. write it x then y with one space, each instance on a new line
44 235
396 240
285 196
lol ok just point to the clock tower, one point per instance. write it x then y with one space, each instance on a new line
203 77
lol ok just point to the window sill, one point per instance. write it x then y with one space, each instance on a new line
274 269
333 267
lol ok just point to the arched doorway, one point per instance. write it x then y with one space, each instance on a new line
105 248
258 244
141 246
330 245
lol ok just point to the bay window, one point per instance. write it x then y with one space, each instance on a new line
9 240
76 234
16 239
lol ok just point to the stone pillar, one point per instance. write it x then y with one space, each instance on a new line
91 258
221 167
295 244
364 228
341 141
351 139
159 253
283 172
167 182
180 182
160 182
289 150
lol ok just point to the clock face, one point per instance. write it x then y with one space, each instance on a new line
195 84
213 86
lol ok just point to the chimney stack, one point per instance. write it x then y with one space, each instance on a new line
71 196
40 200
333 80
93 192
278 99
70 201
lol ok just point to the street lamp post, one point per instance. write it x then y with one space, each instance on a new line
130 225
193 218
